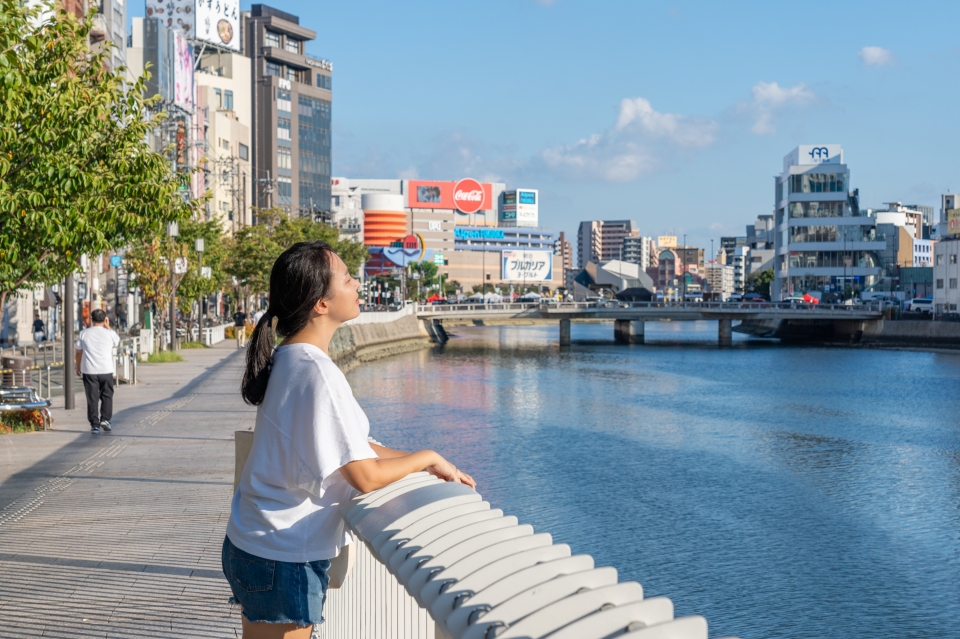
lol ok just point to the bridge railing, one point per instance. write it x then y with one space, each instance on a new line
460 308
719 306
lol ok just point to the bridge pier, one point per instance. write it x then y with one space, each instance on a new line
726 332
564 332
628 331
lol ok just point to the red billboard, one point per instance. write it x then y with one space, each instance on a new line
467 196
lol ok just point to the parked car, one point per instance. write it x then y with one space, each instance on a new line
754 297
920 305
735 297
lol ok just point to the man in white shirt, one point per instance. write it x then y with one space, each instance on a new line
95 362
256 317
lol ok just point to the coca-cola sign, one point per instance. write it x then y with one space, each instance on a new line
468 195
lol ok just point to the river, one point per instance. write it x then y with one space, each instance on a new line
779 491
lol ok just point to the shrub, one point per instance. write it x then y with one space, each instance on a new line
192 345
230 332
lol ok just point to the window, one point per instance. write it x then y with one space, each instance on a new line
816 209
244 152
283 128
273 69
292 74
324 82
283 157
817 183
953 258
283 101
939 283
953 282
228 100
219 97
293 46
271 39
284 189
224 144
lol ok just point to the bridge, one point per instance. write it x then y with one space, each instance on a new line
629 317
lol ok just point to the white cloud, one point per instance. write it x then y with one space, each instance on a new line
876 56
768 99
638 142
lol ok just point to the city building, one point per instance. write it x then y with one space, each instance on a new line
719 279
904 217
625 280
519 207
666 275
639 250
729 244
946 275
223 88
564 249
741 268
602 241
110 25
692 259
948 202
823 241
346 208
292 98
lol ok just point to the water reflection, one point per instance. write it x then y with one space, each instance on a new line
780 491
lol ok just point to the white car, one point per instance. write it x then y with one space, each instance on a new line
921 305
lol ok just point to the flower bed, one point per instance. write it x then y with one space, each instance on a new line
24 421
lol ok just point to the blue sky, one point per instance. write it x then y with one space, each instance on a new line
676 114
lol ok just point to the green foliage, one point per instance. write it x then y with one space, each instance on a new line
760 282
76 174
192 345
254 249
164 357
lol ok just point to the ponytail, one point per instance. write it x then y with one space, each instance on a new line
298 280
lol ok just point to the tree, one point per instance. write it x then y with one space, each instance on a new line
760 282
76 174
255 248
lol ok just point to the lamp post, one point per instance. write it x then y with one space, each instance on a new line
198 247
173 230
69 356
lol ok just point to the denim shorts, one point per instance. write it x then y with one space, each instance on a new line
276 591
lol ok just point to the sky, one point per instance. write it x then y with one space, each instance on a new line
673 114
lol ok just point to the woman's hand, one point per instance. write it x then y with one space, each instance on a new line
448 472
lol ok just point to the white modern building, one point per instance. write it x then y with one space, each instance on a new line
719 278
946 276
740 259
823 242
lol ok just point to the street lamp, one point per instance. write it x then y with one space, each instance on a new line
198 247
173 230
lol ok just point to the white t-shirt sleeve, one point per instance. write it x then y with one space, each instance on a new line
332 433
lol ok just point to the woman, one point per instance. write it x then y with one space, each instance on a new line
310 450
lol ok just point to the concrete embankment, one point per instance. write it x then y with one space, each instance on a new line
912 333
377 335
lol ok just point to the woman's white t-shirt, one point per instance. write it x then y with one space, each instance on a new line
308 426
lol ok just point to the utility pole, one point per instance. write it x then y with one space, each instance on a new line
173 231
69 356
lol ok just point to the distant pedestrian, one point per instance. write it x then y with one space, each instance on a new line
256 317
39 331
95 362
240 326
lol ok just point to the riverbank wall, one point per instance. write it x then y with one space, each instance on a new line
917 333
373 336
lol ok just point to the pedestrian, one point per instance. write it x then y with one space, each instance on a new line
257 316
310 450
95 362
240 326
39 331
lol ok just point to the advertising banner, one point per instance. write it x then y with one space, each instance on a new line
176 15
667 241
218 22
953 221
182 73
527 208
471 196
530 266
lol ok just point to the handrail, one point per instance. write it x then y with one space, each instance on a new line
617 305
434 551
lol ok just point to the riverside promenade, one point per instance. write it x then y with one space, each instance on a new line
119 534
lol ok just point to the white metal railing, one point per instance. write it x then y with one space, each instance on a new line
214 334
550 306
437 561
128 352
380 317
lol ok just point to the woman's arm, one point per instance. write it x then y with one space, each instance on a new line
371 474
386 453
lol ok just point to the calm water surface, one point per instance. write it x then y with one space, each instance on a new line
779 491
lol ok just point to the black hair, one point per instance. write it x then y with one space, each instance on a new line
299 278
98 316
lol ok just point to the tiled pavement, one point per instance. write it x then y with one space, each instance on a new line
119 535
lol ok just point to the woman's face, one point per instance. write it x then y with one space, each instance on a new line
344 299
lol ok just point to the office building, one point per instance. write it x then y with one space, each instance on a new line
346 208
760 241
823 242
741 269
602 241
719 278
223 88
564 249
730 243
292 98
